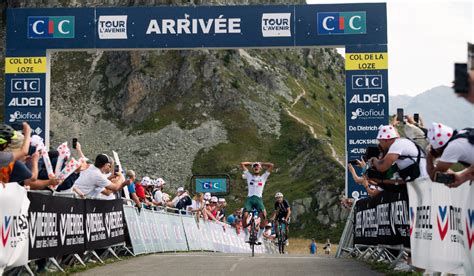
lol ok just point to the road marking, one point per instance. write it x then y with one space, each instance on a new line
235 265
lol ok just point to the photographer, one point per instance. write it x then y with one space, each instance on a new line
451 147
408 156
370 186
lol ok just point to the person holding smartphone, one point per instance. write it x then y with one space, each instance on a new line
449 147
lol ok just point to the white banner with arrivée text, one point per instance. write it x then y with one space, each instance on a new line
14 205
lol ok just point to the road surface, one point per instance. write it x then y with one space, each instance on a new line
204 263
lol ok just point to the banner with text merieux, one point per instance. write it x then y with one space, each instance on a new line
366 103
442 222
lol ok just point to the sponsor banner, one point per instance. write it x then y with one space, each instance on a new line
56 226
133 230
153 229
14 205
103 223
366 61
165 230
211 185
192 233
366 105
177 235
197 27
25 101
25 65
441 232
383 219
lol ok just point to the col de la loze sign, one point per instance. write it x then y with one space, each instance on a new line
33 34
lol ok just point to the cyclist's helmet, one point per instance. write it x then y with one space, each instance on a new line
7 134
278 195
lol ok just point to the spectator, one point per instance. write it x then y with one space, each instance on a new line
7 159
268 233
182 200
450 147
66 185
327 247
413 130
93 181
158 193
407 155
131 176
197 206
371 187
221 209
313 247
140 188
207 196
233 218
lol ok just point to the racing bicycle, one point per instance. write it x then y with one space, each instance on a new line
253 231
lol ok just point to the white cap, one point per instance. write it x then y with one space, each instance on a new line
387 132
207 196
439 135
146 181
159 182
221 199
214 199
268 225
180 189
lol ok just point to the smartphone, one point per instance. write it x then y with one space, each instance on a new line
116 169
74 143
444 178
416 117
354 162
400 114
461 83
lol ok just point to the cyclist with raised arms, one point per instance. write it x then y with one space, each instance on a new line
255 182
282 213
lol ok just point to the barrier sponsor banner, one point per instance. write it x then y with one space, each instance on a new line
13 226
383 220
134 232
56 226
193 234
153 229
178 237
441 226
103 223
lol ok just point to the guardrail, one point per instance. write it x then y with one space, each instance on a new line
65 230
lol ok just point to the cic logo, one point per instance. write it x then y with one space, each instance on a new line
50 27
335 23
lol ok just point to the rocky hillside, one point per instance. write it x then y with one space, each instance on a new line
174 113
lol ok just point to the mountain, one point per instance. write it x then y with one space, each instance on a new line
173 114
439 104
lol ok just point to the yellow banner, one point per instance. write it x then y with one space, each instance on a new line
366 61
22 65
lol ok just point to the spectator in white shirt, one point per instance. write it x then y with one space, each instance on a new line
94 181
450 147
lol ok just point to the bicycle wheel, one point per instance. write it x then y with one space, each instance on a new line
253 236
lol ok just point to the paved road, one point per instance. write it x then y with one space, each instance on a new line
187 264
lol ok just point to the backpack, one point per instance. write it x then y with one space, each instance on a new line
469 135
411 172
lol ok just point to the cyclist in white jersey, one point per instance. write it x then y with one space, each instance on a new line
255 183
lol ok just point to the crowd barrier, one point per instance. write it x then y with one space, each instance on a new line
440 228
383 219
37 225
154 231
442 221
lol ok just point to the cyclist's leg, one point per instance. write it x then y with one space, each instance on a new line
247 209
262 212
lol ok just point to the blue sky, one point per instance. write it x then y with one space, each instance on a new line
425 38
